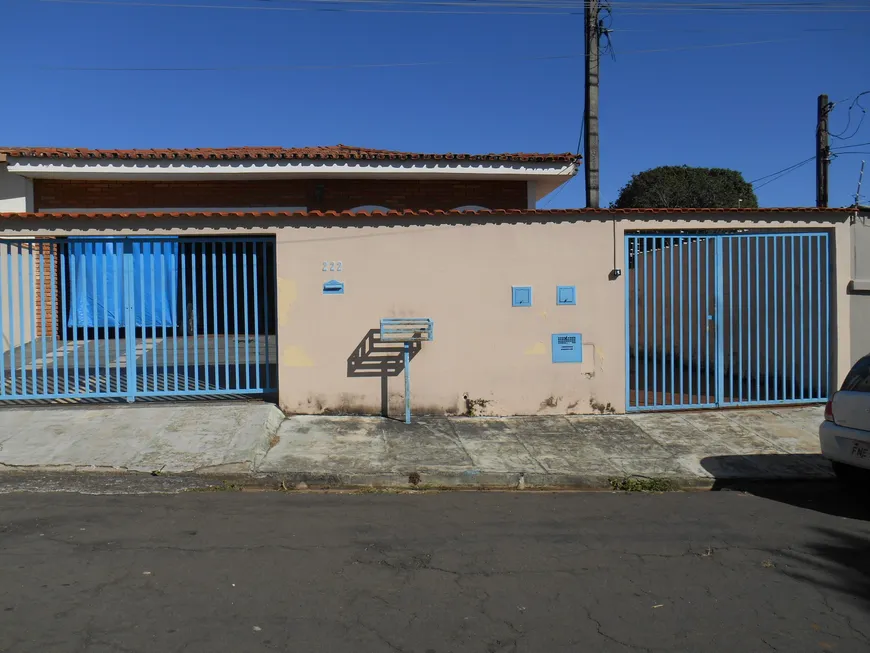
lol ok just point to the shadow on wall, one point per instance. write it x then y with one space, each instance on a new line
372 358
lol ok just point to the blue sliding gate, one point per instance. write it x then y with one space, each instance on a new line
128 318
727 319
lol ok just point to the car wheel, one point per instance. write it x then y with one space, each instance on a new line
852 476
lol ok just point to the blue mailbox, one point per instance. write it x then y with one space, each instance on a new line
567 348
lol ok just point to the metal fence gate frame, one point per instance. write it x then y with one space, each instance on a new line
124 318
741 319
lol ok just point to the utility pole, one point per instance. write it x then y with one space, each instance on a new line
590 114
823 151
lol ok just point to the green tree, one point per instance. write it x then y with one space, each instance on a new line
686 187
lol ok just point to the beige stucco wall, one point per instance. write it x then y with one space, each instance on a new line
860 298
461 276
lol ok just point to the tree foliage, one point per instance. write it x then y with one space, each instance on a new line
686 187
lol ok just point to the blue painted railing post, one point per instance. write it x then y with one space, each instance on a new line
127 280
407 383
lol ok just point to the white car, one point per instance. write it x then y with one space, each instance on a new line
845 433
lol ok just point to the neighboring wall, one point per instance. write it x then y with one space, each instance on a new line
860 287
324 194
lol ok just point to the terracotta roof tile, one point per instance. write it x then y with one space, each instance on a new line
333 152
513 213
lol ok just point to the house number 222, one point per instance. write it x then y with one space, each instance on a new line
332 266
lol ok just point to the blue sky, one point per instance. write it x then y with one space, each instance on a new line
751 107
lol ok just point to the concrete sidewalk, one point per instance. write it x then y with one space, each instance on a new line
692 449
257 442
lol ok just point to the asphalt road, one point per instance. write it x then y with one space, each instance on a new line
488 572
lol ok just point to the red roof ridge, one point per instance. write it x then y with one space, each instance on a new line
329 152
84 213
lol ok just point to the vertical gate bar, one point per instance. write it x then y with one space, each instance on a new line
681 317
42 309
709 289
196 303
731 320
626 246
205 311
757 341
174 253
247 310
235 254
803 321
53 253
793 315
672 253
690 369
106 350
185 359
663 366
826 379
645 325
741 242
812 262
256 293
700 324
8 293
267 298
153 259
31 269
817 382
719 318
22 353
767 264
74 316
141 278
12 321
95 316
161 251
63 252
128 283
117 291
655 337
663 283
214 301
226 315
776 317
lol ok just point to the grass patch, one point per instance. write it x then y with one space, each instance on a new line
641 484
226 486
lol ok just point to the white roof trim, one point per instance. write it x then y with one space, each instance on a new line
173 169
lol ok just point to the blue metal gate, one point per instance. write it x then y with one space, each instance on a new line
89 319
727 320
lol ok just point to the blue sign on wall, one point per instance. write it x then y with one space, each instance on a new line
566 295
521 295
567 348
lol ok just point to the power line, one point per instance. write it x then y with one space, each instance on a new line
473 8
855 102
843 147
413 64
774 176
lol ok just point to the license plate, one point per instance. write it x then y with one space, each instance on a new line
860 450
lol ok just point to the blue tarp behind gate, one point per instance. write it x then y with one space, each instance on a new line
96 272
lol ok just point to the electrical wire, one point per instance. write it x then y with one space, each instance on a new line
843 147
528 7
855 102
774 176
376 65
